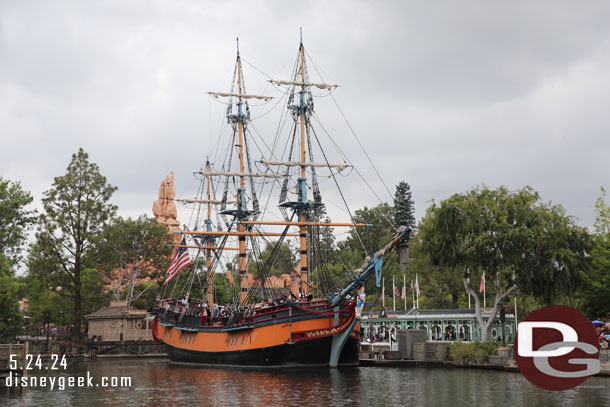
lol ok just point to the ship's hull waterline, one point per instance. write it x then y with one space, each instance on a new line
315 353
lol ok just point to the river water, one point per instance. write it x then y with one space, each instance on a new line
156 382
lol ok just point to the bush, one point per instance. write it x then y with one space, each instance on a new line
462 352
468 352
486 349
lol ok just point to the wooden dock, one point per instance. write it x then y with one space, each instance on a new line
7 363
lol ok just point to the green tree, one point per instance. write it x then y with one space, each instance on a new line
602 214
597 281
284 262
48 288
41 282
327 270
76 209
322 238
404 215
518 241
222 294
404 209
11 320
15 219
442 285
371 237
368 240
132 250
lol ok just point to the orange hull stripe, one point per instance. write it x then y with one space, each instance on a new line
246 339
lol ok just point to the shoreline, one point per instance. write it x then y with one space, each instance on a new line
512 367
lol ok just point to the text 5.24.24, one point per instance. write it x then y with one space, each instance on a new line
35 362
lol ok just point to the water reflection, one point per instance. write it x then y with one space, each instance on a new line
156 382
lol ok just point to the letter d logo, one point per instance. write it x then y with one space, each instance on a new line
526 339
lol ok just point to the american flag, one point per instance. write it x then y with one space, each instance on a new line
180 261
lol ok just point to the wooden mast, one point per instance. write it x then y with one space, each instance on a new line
209 251
241 228
241 212
303 206
303 218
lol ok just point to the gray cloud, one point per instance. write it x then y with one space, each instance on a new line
447 95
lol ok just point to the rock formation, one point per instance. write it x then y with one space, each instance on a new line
164 208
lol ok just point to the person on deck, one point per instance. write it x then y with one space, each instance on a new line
215 312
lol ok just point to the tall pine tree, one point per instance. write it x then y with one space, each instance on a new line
76 209
404 215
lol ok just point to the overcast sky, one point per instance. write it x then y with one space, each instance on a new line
446 95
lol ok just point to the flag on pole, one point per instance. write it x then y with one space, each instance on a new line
482 287
417 287
468 282
396 292
412 294
404 290
180 261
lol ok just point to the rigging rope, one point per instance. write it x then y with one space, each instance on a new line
341 193
357 172
354 134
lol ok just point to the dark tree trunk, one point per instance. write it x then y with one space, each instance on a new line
455 297
77 303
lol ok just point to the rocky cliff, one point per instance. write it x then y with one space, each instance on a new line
164 208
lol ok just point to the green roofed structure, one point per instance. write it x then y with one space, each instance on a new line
443 325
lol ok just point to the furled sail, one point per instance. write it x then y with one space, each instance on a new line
227 94
298 83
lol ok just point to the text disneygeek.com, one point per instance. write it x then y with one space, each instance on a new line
65 382
18 366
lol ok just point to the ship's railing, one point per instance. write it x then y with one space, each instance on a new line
193 316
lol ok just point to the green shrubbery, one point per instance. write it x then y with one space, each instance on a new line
468 352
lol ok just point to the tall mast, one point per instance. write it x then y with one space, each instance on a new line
238 122
240 212
303 179
241 197
302 108
209 252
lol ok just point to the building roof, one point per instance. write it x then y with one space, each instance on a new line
432 314
117 310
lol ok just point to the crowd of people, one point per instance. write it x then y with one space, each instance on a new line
229 314
604 337
383 334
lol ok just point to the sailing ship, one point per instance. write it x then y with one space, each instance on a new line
316 325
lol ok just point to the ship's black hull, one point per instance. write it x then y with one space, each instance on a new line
315 352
